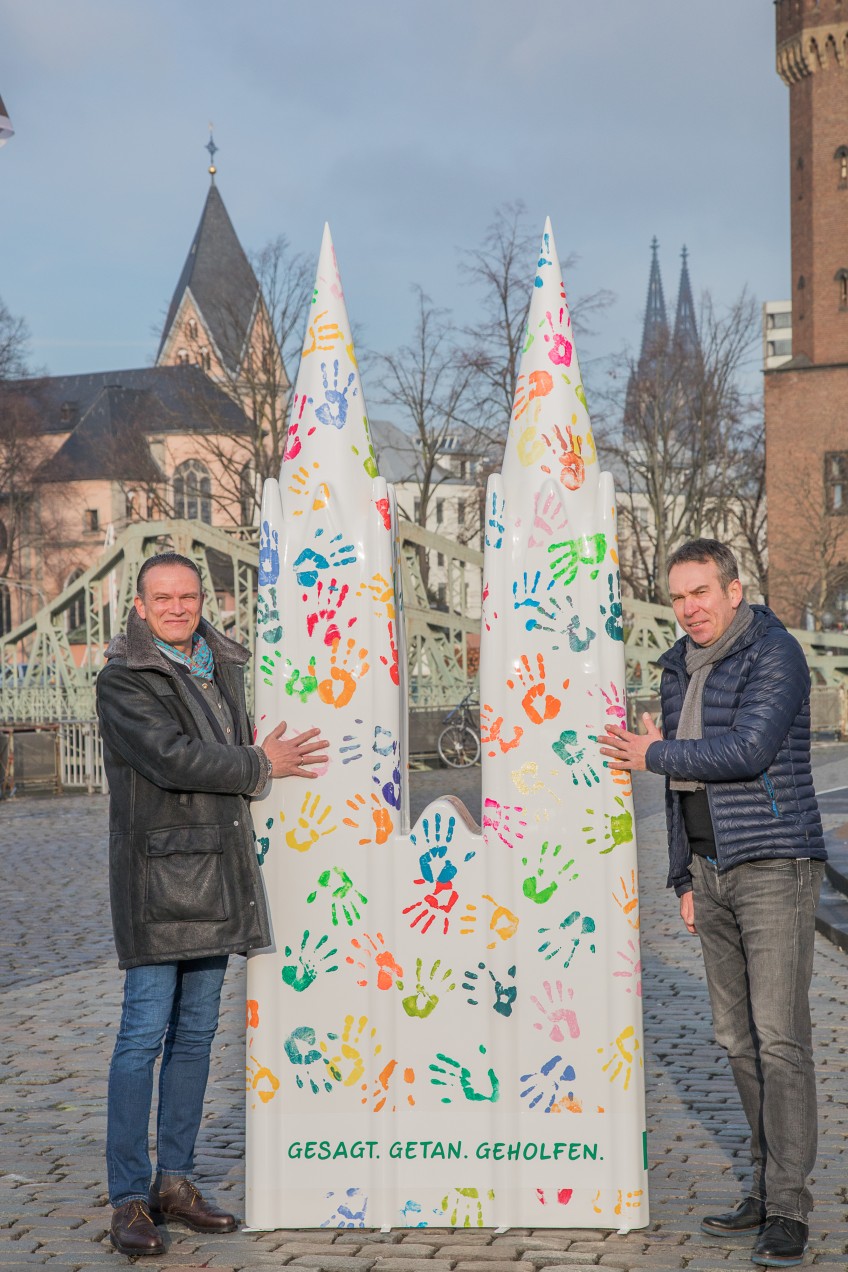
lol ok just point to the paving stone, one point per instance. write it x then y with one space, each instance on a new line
60 989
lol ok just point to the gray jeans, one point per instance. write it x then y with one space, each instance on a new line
757 929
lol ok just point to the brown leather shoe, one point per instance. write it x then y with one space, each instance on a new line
133 1230
183 1202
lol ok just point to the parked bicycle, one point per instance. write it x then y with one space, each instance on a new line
459 741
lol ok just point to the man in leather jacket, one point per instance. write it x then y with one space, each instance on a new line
746 854
184 880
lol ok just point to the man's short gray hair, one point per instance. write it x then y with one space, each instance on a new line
165 558
704 550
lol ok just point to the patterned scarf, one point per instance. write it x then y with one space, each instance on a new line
200 663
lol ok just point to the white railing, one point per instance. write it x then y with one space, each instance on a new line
81 757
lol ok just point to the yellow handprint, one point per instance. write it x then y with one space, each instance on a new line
309 827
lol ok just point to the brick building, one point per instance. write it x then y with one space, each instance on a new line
806 429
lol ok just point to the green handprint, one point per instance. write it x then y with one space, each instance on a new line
619 827
301 1049
267 666
339 893
424 1001
531 887
267 613
264 842
568 749
301 974
586 549
308 681
452 1072
551 949
466 1203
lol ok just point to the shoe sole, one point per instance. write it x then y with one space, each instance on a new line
132 1252
773 1261
160 1216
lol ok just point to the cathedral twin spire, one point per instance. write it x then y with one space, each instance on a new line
655 331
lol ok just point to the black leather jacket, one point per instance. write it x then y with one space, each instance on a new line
754 757
184 880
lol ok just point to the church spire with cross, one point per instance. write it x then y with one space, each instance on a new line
655 328
685 321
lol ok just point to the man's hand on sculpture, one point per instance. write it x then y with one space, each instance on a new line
627 750
289 756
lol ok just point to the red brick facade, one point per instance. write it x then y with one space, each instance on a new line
806 423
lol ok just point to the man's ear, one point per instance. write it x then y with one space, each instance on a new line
139 606
734 591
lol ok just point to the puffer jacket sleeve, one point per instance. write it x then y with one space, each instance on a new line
137 726
774 691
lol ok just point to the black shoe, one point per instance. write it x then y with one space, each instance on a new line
749 1216
782 1243
133 1230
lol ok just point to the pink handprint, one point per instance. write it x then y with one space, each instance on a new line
555 1012
499 818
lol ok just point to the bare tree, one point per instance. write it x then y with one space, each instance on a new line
680 413
747 509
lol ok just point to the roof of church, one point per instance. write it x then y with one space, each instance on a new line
685 322
221 281
110 414
399 454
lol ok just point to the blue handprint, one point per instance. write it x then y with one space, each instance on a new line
547 1083
302 1051
334 410
614 625
269 555
344 1215
495 524
310 562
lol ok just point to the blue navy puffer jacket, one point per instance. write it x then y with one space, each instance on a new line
754 755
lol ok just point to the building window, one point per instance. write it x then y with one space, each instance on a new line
440 511
440 558
460 512
841 157
193 492
91 519
5 609
204 358
191 328
416 511
836 482
841 279
4 539
75 614
783 318
68 412
463 469
182 358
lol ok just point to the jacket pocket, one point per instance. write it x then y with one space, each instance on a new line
185 878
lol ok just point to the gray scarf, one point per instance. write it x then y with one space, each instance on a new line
700 659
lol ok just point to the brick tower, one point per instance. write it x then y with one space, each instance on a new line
806 423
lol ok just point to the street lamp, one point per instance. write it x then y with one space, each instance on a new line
6 129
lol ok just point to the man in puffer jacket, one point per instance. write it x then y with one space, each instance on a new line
746 854
184 880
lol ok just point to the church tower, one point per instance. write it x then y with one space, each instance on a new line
806 434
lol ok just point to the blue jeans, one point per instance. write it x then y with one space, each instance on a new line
176 1003
756 923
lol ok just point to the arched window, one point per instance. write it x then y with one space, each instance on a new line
183 358
4 538
191 328
193 492
841 280
75 613
841 157
5 609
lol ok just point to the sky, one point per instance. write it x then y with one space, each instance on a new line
404 125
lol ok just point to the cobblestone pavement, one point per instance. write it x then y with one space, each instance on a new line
59 1004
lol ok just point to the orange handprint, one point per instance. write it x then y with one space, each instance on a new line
572 466
539 384
389 971
383 825
322 336
534 689
299 485
490 731
340 676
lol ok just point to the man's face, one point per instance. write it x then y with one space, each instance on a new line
701 606
172 604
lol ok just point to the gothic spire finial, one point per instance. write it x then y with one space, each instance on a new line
655 329
213 150
685 321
